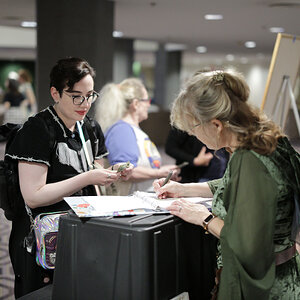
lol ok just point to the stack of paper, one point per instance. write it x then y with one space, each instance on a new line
138 203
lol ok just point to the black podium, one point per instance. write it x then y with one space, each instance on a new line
142 257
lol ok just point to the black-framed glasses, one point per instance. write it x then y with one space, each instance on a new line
196 125
79 99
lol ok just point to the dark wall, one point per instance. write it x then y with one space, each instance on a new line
157 126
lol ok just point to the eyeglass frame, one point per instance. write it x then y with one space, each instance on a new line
83 98
196 125
191 130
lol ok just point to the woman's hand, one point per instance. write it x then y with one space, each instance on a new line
163 171
103 176
203 158
170 190
190 212
126 173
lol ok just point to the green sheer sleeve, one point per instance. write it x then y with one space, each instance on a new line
247 236
214 184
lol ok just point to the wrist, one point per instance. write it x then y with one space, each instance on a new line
206 221
195 163
156 173
88 178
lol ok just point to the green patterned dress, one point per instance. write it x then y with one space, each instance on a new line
255 198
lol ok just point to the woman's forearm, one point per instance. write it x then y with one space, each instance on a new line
197 190
53 192
36 192
142 173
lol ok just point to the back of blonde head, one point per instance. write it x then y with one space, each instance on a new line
223 95
115 100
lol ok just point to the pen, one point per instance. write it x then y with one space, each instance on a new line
182 165
168 178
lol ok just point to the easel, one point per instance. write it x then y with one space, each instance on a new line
286 86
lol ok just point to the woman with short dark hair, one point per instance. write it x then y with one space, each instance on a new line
51 162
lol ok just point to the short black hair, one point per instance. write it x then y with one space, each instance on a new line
68 71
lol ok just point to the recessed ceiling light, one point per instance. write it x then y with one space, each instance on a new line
250 44
276 29
28 24
230 57
201 49
213 17
118 34
175 47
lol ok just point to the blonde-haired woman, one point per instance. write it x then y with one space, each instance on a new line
120 110
26 89
255 202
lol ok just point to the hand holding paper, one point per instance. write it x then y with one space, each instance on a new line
124 169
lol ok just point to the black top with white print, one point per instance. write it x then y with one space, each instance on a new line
45 139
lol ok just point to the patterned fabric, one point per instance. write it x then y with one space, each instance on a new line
255 198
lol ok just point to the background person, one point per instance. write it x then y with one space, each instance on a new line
203 164
26 89
14 103
255 201
120 110
48 173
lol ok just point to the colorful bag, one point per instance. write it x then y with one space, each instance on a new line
46 231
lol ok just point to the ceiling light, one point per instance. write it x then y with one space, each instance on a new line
175 47
250 44
276 29
117 34
13 75
28 24
213 17
230 57
201 49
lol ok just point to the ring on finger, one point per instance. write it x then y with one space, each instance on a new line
108 176
180 208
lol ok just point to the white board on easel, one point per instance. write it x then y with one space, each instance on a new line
285 62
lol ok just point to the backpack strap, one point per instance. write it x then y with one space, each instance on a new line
91 133
52 142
